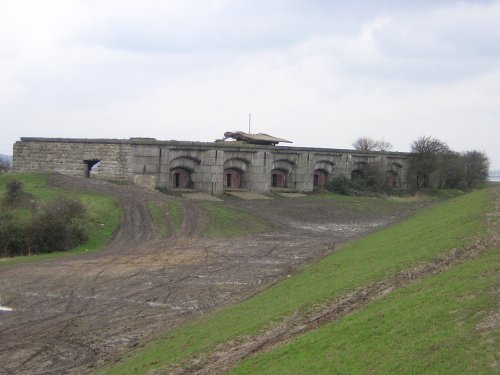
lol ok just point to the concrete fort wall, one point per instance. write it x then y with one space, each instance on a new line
72 157
202 166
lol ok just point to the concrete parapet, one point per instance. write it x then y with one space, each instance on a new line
149 162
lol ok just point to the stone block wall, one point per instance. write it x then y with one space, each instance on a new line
71 157
205 163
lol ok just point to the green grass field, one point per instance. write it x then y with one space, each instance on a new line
225 221
175 213
104 214
431 232
439 325
160 221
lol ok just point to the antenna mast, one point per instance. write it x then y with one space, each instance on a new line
249 122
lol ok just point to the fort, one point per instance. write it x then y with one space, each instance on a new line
252 162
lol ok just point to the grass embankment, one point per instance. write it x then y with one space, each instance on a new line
382 254
103 214
440 325
166 221
385 204
160 221
175 213
225 221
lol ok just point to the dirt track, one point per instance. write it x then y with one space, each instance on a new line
74 313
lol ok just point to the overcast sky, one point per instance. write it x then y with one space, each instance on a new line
320 73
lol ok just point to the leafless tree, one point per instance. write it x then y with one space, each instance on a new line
383 145
364 144
369 144
476 167
428 152
450 170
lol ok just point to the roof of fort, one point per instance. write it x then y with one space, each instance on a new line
203 145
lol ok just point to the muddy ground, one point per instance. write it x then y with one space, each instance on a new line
74 313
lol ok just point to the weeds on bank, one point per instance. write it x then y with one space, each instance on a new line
441 325
159 219
377 256
175 213
224 221
102 214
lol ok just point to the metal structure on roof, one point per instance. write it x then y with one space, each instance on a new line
256 139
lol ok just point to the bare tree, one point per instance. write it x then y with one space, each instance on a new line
364 144
476 167
450 170
383 145
428 152
369 144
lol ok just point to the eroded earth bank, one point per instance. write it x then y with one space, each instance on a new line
73 313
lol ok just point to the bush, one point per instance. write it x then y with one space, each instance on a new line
370 183
57 226
13 236
4 166
358 186
15 196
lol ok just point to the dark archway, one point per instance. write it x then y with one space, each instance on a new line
181 178
319 178
278 178
357 174
232 178
391 178
89 164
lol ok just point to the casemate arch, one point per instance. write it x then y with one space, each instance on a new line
358 171
182 170
235 173
322 170
282 174
210 167
392 175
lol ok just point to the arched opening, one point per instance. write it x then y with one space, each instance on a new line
282 174
278 178
391 178
319 178
232 178
357 174
89 164
181 178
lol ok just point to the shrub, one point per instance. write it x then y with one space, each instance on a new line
13 236
57 226
4 166
15 196
345 186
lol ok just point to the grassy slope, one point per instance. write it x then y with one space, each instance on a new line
439 325
162 219
224 221
375 257
159 219
175 213
103 211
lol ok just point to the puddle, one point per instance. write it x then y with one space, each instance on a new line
5 309
247 195
201 197
353 228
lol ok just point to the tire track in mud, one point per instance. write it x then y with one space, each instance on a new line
74 313
135 228
136 225
227 355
